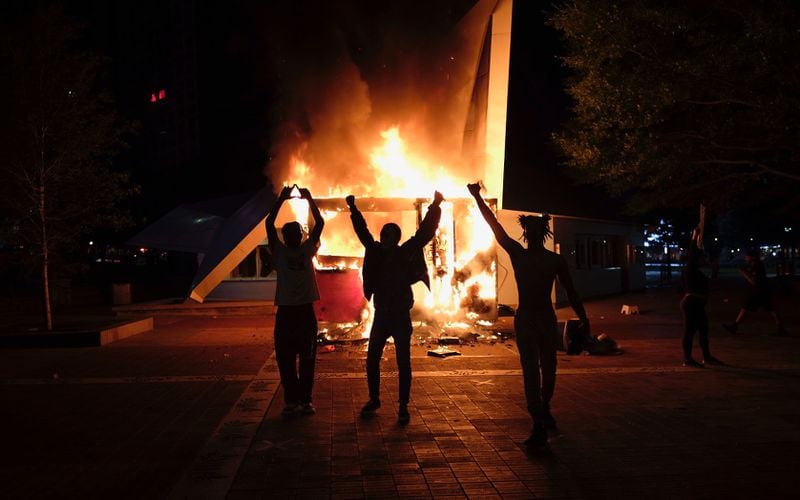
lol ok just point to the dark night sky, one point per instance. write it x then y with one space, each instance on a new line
240 96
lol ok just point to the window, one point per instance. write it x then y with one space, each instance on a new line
580 253
257 265
595 252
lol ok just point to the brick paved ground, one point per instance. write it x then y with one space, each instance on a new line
124 420
136 418
632 426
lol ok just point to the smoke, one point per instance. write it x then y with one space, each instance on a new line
349 70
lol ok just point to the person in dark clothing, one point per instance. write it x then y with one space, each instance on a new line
296 291
535 270
389 271
759 293
693 304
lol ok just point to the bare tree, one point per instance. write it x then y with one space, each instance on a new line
60 133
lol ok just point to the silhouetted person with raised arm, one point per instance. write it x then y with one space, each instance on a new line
389 271
693 304
535 270
759 293
295 321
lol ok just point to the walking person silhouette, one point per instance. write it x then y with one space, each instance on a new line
759 293
296 291
389 271
535 270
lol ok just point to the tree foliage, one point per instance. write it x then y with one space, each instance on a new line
60 134
681 102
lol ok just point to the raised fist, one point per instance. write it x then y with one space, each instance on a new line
474 189
351 201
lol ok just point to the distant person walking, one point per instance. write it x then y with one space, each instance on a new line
535 270
759 293
295 321
693 304
389 271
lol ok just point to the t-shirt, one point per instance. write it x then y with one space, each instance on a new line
297 283
755 269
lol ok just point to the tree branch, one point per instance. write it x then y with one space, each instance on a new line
722 101
761 166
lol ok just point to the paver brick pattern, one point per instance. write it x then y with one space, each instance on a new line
694 434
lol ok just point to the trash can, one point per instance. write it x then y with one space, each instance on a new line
121 294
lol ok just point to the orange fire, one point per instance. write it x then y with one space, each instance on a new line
461 257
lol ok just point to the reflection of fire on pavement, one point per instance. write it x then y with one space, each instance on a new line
452 334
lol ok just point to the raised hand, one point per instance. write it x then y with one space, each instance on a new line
474 189
305 193
438 198
351 201
286 193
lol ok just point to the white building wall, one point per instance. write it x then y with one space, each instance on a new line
590 281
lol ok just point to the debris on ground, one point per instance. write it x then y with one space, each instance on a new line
443 352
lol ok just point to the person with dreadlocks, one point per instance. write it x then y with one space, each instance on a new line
535 270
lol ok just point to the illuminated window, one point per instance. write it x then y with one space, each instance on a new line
153 98
162 94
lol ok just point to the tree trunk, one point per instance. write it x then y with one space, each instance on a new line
48 310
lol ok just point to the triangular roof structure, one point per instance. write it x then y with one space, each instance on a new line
190 227
239 235
224 231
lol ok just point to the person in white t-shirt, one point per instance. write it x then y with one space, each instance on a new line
295 321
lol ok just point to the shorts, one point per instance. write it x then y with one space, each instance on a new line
758 299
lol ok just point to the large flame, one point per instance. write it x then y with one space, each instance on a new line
461 260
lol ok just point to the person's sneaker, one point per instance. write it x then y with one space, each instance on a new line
402 414
731 327
372 405
538 438
690 363
711 360
547 418
289 409
307 409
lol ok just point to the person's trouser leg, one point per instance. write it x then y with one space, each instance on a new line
689 326
285 353
401 331
307 350
702 328
377 341
529 360
548 345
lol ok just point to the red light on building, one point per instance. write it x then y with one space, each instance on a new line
153 98
162 94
